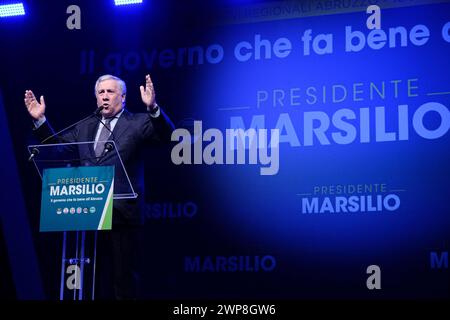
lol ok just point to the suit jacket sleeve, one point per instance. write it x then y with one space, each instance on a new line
46 130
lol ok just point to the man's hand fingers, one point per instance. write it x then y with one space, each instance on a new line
42 100
142 90
148 82
28 98
28 94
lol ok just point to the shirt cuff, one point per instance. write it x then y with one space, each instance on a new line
38 123
156 111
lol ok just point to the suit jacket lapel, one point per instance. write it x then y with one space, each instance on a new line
121 126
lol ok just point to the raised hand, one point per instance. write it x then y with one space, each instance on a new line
35 109
148 93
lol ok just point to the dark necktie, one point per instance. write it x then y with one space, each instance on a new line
104 135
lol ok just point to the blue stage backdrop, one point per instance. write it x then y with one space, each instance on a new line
342 193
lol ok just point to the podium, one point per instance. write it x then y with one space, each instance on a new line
71 174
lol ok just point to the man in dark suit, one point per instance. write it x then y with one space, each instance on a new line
118 249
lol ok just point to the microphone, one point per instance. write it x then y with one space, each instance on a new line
34 152
108 147
95 114
98 110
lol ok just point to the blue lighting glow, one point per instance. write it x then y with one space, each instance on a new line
125 2
9 10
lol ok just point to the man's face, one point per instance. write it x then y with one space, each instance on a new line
110 97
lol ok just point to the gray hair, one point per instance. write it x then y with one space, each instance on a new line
122 85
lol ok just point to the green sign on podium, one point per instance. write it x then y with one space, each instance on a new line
77 198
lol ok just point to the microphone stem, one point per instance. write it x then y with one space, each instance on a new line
73 125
